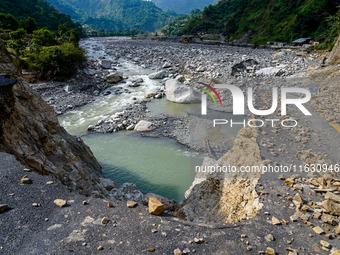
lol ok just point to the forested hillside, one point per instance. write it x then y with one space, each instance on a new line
183 6
265 20
41 11
115 14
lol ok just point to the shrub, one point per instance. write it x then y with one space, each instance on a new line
29 25
43 37
58 62
8 21
17 35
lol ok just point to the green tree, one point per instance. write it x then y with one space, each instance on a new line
62 29
29 25
43 37
74 36
8 21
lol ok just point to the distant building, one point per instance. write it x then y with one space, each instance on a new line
302 41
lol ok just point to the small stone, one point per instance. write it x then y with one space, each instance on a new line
317 215
328 219
151 249
243 235
100 248
290 241
60 202
249 248
131 204
109 205
275 221
186 251
154 230
49 182
178 252
318 230
105 220
27 170
337 230
289 181
25 180
294 218
83 244
305 208
198 240
325 244
292 251
3 207
270 251
12 194
155 207
330 236
269 238
35 204
84 202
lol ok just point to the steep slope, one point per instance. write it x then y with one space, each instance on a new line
183 6
30 131
43 13
265 20
114 14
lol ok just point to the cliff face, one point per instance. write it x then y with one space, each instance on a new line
226 197
30 131
334 57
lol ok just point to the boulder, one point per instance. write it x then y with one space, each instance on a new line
331 207
333 197
127 191
243 66
155 207
168 205
144 126
105 64
113 77
179 93
158 75
334 57
269 71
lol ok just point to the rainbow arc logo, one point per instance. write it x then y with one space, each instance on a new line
209 93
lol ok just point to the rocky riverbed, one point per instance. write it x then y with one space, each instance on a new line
294 212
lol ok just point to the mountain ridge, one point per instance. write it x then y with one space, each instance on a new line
41 11
115 14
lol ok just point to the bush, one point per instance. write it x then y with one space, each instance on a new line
17 35
43 37
29 25
8 21
58 62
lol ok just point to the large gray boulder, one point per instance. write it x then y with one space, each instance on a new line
113 77
105 64
144 126
179 93
158 75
